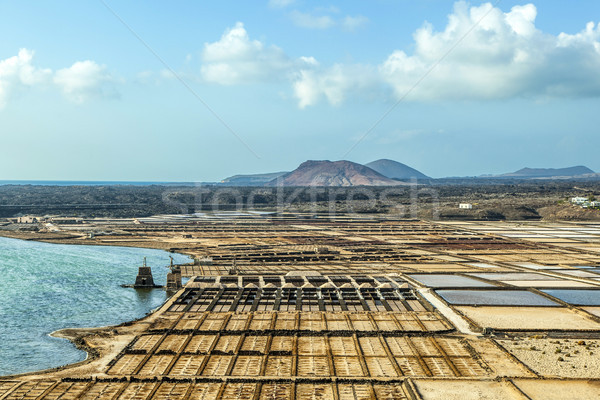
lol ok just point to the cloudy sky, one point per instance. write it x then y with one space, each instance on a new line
198 91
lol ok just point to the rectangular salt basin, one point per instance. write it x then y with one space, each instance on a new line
549 284
484 265
586 229
446 280
575 272
495 297
528 318
532 265
581 297
514 276
575 235
554 232
528 235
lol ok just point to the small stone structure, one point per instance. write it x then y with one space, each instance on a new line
144 278
174 277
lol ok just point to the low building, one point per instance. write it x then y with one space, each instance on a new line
28 219
579 200
465 206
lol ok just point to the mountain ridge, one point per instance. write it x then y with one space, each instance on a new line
547 172
252 179
385 172
333 173
395 170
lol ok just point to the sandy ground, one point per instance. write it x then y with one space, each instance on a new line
498 360
565 358
592 310
528 318
559 390
467 390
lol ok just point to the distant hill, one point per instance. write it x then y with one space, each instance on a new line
528 173
395 170
336 173
253 179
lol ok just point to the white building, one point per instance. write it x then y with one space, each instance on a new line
579 200
27 219
466 206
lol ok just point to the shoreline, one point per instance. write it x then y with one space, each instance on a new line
82 241
95 342
101 345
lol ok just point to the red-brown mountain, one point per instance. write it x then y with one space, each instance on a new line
333 173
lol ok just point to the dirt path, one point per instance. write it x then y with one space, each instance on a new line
459 322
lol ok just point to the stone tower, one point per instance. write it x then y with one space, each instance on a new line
144 277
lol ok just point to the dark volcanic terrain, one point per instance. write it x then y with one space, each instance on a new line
496 200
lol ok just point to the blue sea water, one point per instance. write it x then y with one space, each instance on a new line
45 287
96 183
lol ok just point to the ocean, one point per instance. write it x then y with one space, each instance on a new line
95 183
45 287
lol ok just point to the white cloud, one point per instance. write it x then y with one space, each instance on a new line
485 54
18 72
334 84
351 24
503 56
310 21
85 80
236 59
482 53
281 3
321 20
81 81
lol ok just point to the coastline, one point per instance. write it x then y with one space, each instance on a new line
100 344
58 238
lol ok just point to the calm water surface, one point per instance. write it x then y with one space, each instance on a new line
495 298
590 297
447 280
45 287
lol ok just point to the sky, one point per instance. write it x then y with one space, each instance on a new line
199 91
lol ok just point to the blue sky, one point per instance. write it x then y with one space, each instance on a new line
203 90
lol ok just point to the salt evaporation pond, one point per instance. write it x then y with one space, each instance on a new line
495 298
576 273
514 276
446 280
579 297
46 287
